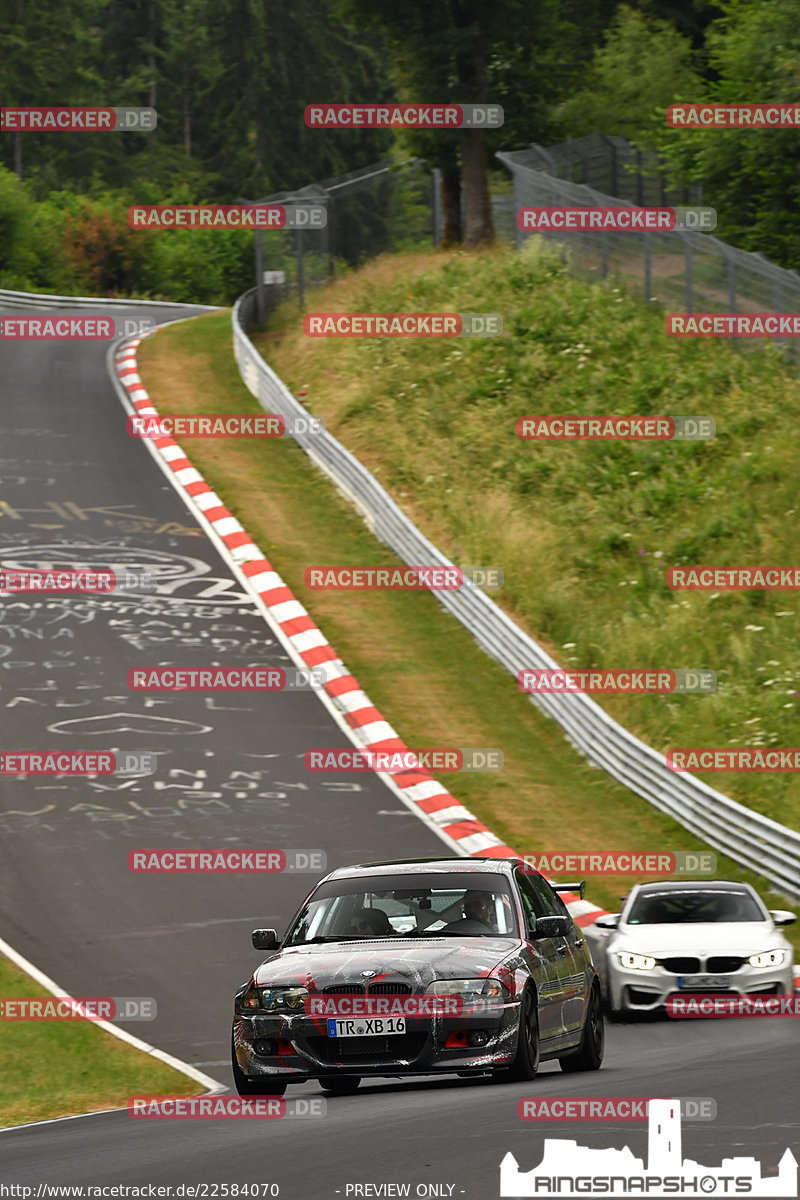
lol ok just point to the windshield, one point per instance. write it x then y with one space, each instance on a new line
393 906
677 907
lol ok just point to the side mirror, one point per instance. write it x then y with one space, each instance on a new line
781 917
265 939
607 921
548 927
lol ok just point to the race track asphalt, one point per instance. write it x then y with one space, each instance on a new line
75 489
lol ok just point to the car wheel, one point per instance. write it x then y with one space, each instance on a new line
254 1087
590 1053
526 1060
340 1085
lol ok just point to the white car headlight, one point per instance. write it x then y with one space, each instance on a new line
768 958
636 962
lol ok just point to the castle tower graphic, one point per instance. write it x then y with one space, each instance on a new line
563 1161
664 1138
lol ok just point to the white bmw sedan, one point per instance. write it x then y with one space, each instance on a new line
675 938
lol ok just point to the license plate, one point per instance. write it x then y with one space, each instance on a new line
365 1026
696 981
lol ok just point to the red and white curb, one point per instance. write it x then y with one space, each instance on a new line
298 632
364 724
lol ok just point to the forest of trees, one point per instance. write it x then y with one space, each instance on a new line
230 81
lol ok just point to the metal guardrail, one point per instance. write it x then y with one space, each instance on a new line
746 836
31 299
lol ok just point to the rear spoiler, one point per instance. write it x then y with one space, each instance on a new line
570 887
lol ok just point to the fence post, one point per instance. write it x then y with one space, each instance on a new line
436 183
260 277
647 265
300 281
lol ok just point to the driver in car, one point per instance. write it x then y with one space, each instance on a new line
479 916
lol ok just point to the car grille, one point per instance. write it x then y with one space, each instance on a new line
374 989
681 966
723 965
375 1049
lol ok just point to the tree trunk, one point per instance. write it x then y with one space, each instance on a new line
478 226
451 203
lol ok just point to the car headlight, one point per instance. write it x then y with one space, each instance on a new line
768 958
274 996
636 962
470 989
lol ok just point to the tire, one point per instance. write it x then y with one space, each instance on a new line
590 1053
526 1060
340 1085
254 1087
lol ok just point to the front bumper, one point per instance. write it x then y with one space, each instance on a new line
298 1047
648 991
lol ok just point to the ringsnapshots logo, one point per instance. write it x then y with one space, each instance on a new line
73 329
215 1108
78 1008
615 429
619 862
77 762
82 581
403 116
409 579
228 216
567 1169
402 325
221 425
734 116
30 119
738 325
624 682
226 862
627 219
400 761
227 679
